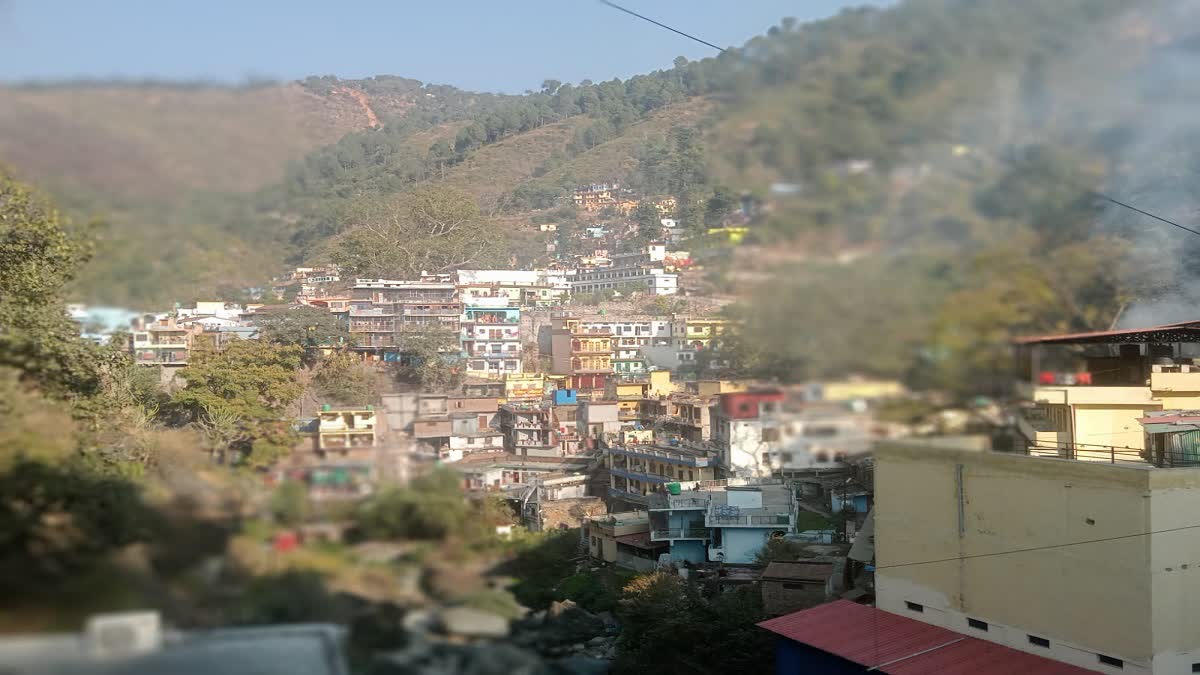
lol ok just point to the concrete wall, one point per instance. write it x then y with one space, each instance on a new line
741 544
1175 568
691 550
1102 597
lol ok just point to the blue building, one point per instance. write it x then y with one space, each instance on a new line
727 522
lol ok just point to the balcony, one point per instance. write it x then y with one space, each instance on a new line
679 458
371 311
625 495
442 311
1183 378
748 520
638 475
679 533
372 326
669 502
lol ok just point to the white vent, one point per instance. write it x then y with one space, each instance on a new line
126 634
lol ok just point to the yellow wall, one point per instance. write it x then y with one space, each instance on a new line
866 389
660 383
1110 425
1097 596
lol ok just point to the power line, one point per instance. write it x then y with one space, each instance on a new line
661 25
1095 193
1038 548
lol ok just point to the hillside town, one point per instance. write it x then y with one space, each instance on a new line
858 341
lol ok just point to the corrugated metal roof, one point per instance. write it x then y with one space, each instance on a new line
903 646
641 540
1184 331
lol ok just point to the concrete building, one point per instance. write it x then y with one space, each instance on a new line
524 387
793 586
1089 390
529 429
623 538
638 470
1086 563
585 356
504 470
491 341
722 521
159 340
382 310
345 458
746 430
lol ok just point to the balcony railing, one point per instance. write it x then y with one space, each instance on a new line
679 533
1110 454
664 455
781 520
668 502
446 311
635 497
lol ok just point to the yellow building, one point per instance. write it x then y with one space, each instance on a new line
1089 390
861 388
665 205
524 386
343 429
696 334
1048 556
733 235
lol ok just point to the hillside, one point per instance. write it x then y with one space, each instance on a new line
949 144
152 142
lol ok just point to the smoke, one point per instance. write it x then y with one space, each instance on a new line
1148 120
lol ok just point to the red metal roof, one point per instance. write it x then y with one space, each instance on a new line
902 646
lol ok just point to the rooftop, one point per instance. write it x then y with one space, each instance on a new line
1184 331
894 644
797 571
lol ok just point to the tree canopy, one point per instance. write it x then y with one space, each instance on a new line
431 229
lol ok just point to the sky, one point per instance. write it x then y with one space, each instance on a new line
473 44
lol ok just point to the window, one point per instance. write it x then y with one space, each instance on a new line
1040 642
1111 661
914 607
793 586
1196 667
977 624
770 435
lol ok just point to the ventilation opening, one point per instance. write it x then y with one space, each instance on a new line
1110 661
976 623
914 607
1041 642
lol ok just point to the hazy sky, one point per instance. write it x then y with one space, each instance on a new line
475 44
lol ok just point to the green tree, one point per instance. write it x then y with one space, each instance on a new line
302 326
431 229
431 360
649 224
289 504
344 379
39 254
247 386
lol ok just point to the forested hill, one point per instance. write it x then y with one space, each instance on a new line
950 138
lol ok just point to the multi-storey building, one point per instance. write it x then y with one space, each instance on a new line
624 539
159 340
723 522
524 288
491 341
524 387
746 428
382 311
1087 563
345 457
637 470
582 354
1088 390
598 196
652 279
529 429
